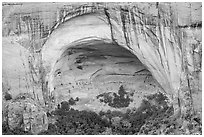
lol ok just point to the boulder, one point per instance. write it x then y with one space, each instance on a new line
26 113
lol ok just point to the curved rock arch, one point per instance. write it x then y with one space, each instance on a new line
102 31
64 39
154 49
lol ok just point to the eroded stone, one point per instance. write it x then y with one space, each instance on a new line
24 112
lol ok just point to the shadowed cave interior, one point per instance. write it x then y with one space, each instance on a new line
94 72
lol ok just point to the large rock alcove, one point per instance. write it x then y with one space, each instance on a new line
87 66
94 71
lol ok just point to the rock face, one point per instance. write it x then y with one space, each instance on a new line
19 74
23 112
153 42
15 66
101 76
93 73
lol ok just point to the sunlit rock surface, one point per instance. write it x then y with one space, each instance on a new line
15 68
19 74
70 33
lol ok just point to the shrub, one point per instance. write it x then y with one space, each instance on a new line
118 101
70 122
132 121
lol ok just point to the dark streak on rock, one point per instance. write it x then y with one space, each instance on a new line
125 62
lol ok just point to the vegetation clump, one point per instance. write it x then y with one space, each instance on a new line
120 100
74 122
73 101
7 96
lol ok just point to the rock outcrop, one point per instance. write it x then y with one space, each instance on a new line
24 112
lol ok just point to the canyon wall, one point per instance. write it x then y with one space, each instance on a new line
164 38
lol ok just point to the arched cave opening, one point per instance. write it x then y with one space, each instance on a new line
99 76
58 55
